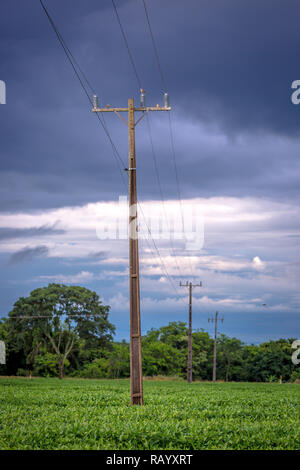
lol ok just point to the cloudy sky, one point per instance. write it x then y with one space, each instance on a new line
228 68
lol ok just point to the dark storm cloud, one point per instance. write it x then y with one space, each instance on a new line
28 254
237 62
7 233
228 65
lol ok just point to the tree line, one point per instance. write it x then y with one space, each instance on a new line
64 330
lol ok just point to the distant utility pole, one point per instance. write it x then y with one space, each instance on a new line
136 376
215 343
190 285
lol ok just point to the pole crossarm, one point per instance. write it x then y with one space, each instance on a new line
108 109
143 110
187 284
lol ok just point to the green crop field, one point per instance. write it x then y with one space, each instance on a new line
95 414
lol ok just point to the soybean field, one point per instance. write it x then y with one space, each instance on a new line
96 414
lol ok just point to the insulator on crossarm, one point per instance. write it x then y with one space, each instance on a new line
143 98
95 101
166 100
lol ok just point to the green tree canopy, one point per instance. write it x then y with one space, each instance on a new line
59 315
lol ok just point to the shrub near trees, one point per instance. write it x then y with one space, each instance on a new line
75 337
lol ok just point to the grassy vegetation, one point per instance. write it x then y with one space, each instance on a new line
95 414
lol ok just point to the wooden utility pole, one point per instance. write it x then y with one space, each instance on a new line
215 344
190 285
136 375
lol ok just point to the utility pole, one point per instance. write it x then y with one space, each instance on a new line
136 375
215 343
190 285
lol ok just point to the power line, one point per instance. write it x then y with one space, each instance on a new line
65 48
154 47
157 250
161 193
72 61
23 317
153 154
178 186
127 45
170 123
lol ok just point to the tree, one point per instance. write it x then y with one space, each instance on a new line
119 360
161 359
175 334
271 359
165 350
231 348
58 315
46 364
202 352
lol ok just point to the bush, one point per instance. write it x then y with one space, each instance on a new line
272 379
46 365
98 369
295 376
23 372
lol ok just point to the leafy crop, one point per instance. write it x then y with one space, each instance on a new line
95 414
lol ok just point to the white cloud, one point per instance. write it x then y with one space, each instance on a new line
240 234
258 263
118 302
225 219
83 276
